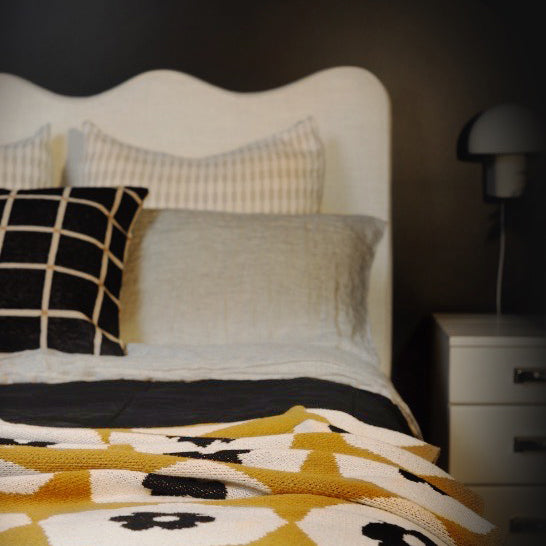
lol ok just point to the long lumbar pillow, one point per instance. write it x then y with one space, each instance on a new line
282 173
205 277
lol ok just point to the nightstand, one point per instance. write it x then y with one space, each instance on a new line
489 416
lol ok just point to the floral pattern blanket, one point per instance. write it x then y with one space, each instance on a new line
306 477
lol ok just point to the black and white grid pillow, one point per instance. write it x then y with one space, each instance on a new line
62 252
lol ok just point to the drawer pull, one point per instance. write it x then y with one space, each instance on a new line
527 525
534 444
529 375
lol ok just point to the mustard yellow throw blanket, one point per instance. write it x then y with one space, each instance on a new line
307 477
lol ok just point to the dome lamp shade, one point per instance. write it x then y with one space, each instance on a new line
504 135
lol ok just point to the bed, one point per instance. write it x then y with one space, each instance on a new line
246 385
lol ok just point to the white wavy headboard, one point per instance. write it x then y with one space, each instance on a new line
177 113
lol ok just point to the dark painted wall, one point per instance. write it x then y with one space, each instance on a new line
442 61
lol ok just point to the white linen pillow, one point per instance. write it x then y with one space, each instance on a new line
283 173
27 164
218 278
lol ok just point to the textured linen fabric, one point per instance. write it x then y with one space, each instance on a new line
200 278
190 363
61 264
123 403
281 174
308 476
27 164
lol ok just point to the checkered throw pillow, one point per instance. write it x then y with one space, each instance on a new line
62 252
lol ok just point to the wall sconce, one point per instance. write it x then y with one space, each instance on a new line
502 137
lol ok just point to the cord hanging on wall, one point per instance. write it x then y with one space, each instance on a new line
502 137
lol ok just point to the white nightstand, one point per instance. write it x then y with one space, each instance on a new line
489 416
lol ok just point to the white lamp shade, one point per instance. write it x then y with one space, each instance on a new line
506 129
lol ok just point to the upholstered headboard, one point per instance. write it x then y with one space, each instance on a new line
177 113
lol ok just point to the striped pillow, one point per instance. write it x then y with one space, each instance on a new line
27 164
279 174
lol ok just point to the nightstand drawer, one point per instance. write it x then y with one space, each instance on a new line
504 375
519 512
498 444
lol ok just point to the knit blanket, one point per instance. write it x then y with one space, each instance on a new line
306 477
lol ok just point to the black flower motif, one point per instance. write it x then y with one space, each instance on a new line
333 428
141 521
12 442
201 442
413 478
179 486
389 534
224 456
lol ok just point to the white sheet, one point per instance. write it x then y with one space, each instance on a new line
192 363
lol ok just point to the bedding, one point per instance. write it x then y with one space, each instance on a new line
308 476
27 163
61 263
125 403
173 384
282 173
176 113
199 278
235 324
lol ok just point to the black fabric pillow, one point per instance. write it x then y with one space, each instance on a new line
62 252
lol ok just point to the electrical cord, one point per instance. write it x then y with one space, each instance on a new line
502 250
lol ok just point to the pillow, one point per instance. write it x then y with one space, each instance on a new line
27 163
280 174
62 254
220 278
